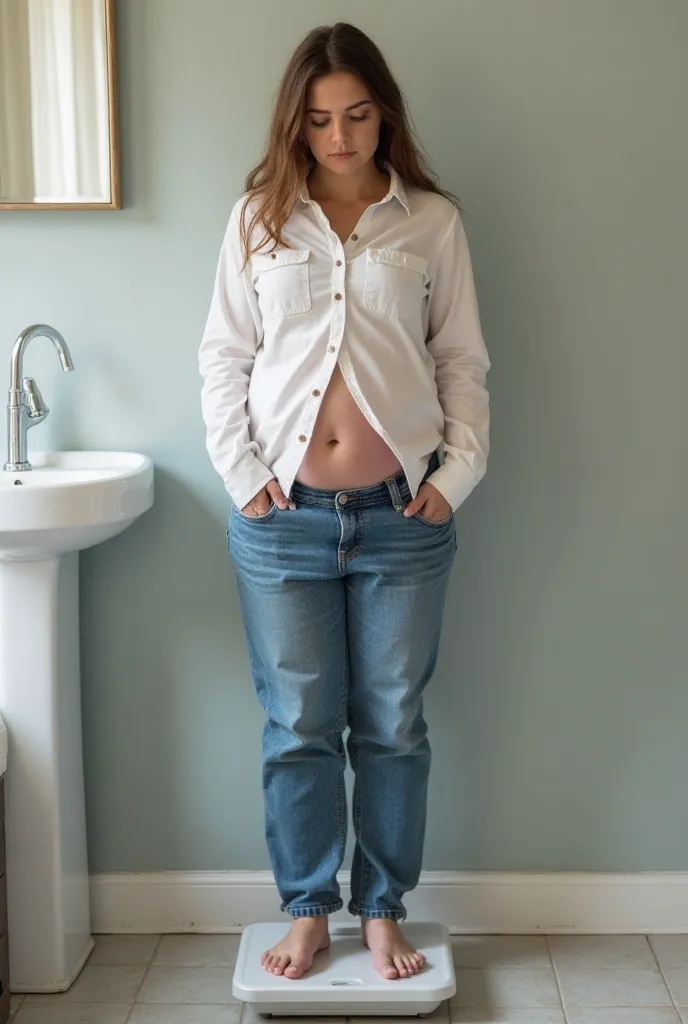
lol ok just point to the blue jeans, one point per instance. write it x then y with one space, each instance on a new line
342 604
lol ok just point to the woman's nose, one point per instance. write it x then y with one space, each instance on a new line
339 135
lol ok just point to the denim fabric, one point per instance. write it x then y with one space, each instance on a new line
342 604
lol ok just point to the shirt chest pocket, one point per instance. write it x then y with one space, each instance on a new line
281 282
396 283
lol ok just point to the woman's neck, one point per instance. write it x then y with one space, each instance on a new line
368 184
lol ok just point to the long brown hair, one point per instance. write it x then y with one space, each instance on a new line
274 185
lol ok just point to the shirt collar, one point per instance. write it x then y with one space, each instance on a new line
396 190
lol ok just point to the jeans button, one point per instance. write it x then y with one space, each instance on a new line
343 498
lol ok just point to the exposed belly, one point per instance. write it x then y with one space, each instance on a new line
345 451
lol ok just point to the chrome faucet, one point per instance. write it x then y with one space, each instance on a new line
25 406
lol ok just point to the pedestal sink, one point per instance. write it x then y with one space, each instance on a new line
67 501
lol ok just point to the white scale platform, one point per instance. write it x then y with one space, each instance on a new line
342 980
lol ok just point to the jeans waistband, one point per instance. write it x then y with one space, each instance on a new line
394 490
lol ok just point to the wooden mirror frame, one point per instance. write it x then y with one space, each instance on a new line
113 126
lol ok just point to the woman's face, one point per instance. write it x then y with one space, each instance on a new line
342 123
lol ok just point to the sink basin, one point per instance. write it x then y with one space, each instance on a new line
70 501
66 502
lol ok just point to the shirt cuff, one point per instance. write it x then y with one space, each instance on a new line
454 480
247 478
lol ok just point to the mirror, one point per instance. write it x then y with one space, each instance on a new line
58 124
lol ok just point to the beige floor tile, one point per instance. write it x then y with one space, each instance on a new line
500 950
623 1015
507 1015
677 980
197 950
55 1012
99 985
612 986
187 985
505 986
123 950
15 1003
501 979
601 951
438 1016
670 950
176 1014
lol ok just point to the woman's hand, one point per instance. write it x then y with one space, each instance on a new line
432 505
260 504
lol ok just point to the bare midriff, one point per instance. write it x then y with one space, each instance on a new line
345 450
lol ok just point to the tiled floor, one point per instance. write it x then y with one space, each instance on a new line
517 979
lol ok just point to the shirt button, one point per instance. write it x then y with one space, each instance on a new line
302 437
316 393
331 348
337 296
339 263
354 238
343 498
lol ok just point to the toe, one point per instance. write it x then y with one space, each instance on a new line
400 965
295 969
389 971
279 965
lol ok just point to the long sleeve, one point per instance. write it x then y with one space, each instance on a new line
226 356
456 344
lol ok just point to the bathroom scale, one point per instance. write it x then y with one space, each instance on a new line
342 980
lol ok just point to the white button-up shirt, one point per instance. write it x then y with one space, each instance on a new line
394 305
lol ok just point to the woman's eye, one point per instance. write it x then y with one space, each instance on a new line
324 124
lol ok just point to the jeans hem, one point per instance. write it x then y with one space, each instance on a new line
390 915
319 911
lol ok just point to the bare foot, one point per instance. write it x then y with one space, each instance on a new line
294 954
393 956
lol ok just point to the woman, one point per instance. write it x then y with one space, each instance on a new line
342 353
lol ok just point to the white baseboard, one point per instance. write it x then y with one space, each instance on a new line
490 902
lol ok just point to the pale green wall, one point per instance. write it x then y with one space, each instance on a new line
559 709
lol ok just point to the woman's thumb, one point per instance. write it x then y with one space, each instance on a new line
277 495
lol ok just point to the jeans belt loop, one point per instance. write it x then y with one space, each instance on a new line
395 494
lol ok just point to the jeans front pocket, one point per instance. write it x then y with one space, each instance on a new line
429 522
281 282
396 283
256 519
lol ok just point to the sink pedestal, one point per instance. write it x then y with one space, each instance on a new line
67 502
40 698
